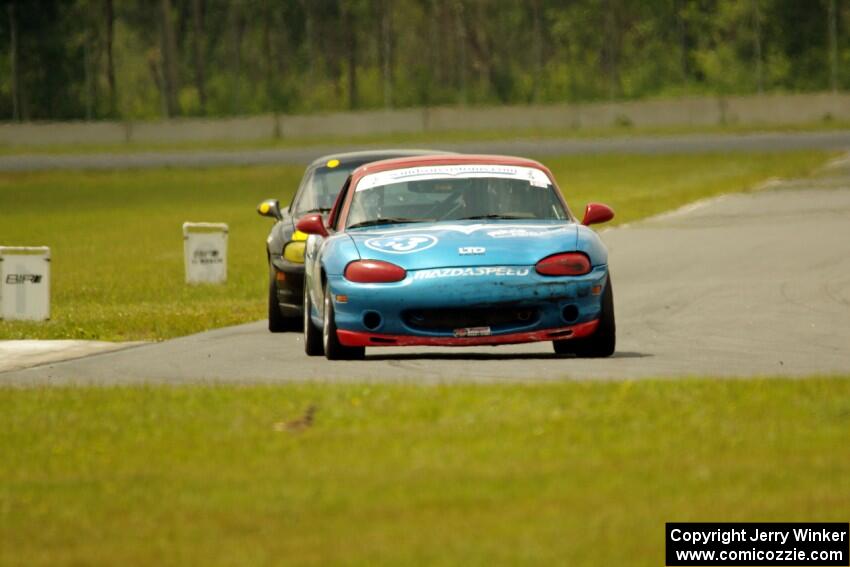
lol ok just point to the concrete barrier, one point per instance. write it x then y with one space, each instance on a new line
63 133
352 123
262 127
777 109
787 109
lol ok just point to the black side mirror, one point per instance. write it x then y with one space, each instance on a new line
270 208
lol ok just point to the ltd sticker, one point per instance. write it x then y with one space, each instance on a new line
471 250
402 244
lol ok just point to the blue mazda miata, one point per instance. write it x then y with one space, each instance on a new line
455 250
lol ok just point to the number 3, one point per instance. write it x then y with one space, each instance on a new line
412 242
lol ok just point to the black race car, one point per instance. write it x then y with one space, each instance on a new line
317 192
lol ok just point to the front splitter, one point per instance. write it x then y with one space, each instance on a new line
359 338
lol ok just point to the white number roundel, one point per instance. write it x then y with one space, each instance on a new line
406 244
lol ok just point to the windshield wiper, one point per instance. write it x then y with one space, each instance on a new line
495 216
386 220
316 210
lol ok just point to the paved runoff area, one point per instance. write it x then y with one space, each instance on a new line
15 355
743 285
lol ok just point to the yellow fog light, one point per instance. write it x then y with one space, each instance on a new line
294 252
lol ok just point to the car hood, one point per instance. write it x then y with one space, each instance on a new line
466 243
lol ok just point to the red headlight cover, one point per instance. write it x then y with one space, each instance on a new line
568 264
374 271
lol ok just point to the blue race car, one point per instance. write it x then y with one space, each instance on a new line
455 250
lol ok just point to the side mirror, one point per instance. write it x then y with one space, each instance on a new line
270 208
312 224
595 213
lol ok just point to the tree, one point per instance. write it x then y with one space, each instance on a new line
139 59
386 50
13 60
198 47
109 20
757 44
169 60
611 47
350 21
833 47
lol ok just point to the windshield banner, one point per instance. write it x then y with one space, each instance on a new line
533 176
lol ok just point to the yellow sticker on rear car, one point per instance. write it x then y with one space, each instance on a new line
333 162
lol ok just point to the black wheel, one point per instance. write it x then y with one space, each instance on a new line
277 322
333 349
602 342
312 336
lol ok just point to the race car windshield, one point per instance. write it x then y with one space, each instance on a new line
320 189
452 193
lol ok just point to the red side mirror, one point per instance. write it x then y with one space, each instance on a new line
595 213
312 224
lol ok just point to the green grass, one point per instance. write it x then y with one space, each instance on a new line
428 139
117 247
559 474
116 241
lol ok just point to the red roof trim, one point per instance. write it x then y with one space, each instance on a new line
443 159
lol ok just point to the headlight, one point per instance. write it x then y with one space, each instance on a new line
374 271
569 264
294 252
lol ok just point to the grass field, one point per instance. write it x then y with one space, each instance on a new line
424 138
117 268
560 474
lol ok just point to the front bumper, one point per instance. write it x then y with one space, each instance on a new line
290 291
355 338
411 312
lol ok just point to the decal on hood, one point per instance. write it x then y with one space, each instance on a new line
403 244
513 232
495 230
499 271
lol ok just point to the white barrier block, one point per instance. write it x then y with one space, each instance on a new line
205 252
25 282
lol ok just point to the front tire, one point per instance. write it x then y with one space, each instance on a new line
334 350
312 335
603 341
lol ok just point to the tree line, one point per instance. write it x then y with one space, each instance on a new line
137 59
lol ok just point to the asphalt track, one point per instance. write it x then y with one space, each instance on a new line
694 143
744 285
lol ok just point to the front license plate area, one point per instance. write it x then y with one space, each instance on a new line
472 332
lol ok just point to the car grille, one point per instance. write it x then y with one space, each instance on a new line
495 317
